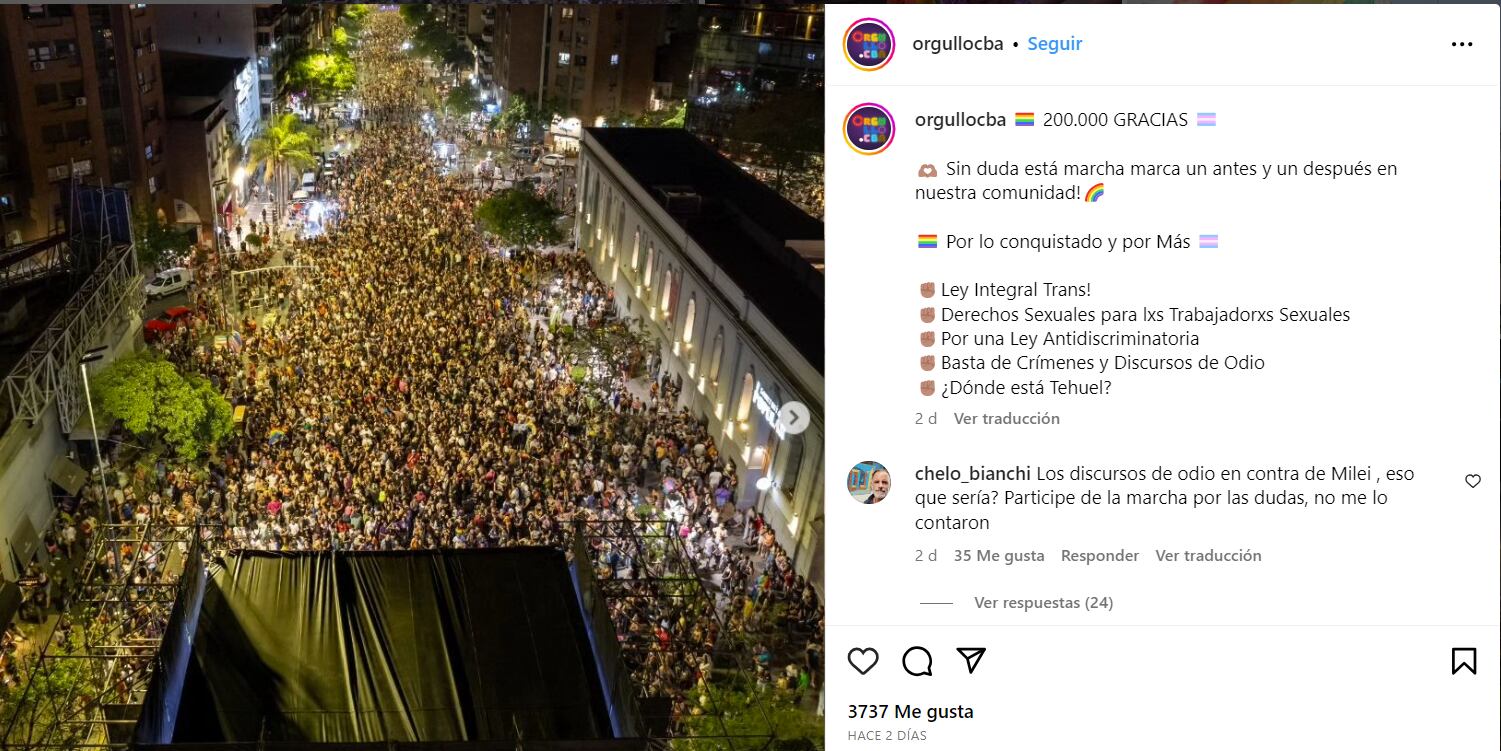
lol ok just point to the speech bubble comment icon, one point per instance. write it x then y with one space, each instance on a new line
918 661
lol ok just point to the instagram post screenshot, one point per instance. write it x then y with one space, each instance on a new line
750 376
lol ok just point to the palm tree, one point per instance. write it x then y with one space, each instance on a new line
285 144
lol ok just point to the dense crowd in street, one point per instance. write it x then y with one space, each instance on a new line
412 391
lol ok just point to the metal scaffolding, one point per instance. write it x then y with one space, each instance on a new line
50 368
33 261
642 565
87 687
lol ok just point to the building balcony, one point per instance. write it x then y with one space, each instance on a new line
488 37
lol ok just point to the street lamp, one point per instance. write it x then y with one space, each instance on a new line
94 355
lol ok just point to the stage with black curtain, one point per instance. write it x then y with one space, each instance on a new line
454 645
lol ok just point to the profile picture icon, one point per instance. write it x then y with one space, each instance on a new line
869 482
868 44
869 128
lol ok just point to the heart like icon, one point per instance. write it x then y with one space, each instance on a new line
1472 480
863 659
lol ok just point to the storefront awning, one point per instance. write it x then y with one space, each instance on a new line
66 474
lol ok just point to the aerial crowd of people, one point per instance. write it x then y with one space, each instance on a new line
405 387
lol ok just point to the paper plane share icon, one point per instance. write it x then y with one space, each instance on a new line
971 656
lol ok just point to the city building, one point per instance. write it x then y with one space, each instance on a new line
514 60
282 33
746 51
195 81
480 31
270 54
212 113
675 57
223 30
594 61
712 264
310 25
80 96
217 31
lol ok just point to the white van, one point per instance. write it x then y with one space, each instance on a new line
309 181
169 281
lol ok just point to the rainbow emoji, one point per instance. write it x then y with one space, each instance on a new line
1025 120
1209 241
927 242
1093 194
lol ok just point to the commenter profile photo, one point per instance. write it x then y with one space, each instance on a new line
869 482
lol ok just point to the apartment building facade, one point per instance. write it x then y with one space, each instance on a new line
80 97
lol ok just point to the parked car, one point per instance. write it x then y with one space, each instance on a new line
552 160
169 281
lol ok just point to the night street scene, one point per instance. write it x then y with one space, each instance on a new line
411 376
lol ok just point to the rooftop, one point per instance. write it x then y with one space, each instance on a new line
742 224
191 74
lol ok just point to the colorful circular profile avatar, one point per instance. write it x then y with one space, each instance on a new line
868 44
869 128
869 482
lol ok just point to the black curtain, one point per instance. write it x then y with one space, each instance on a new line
457 645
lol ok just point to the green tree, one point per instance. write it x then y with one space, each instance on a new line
155 240
674 116
523 113
520 218
285 145
323 75
416 14
736 711
355 15
617 343
147 393
462 100
516 112
432 39
786 130
39 711
456 54
429 39
668 117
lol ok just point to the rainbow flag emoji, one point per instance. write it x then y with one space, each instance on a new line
1206 119
1025 120
1209 241
927 242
